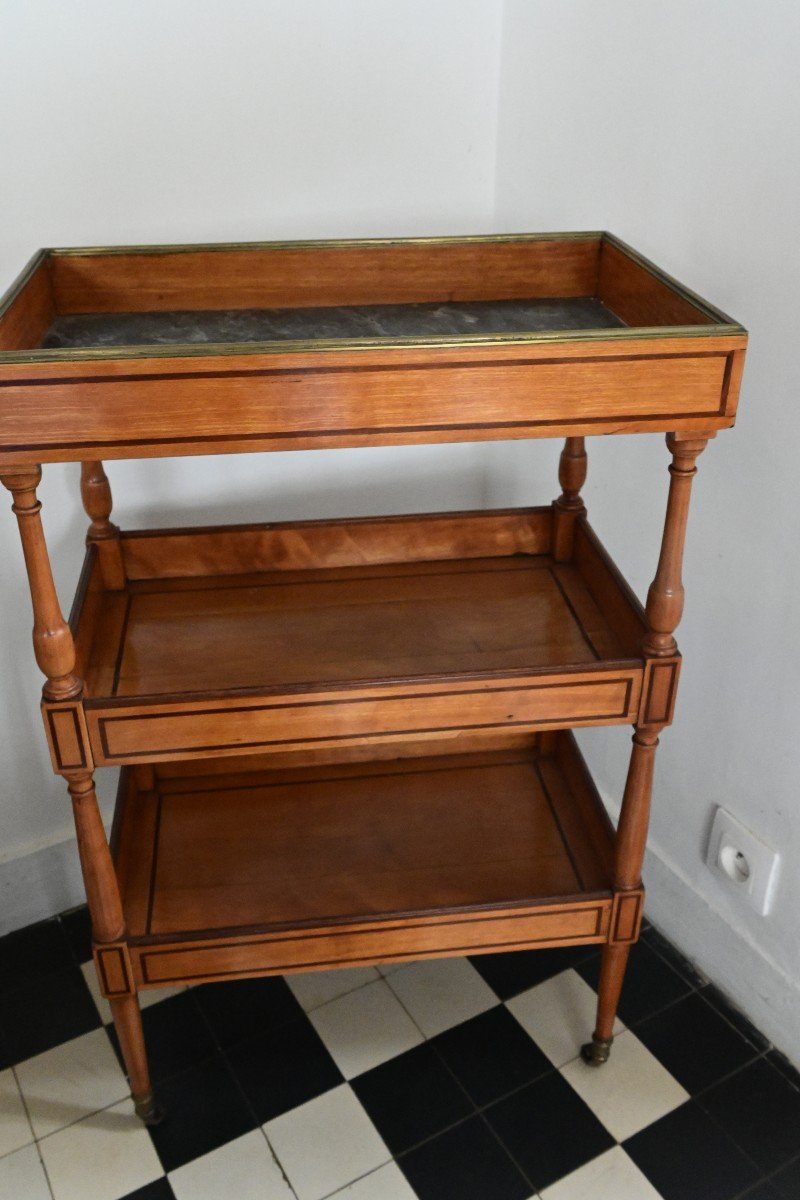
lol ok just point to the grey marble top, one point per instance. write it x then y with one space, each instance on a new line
98 330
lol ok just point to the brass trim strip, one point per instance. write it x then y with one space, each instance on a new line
334 345
26 274
329 243
675 285
355 369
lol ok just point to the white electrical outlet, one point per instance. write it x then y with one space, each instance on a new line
749 865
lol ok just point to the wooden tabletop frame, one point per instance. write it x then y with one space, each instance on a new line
676 365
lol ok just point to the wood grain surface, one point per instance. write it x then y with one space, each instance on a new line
334 853
400 396
390 273
58 404
193 658
25 321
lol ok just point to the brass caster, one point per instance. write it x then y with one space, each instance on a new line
597 1051
148 1110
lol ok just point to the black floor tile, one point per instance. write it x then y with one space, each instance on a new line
763 1191
491 1055
465 1163
227 1057
787 1181
695 1043
735 1018
515 972
243 1008
204 1109
283 1068
656 941
548 1130
6 1057
686 1156
33 953
46 1012
411 1097
159 1190
77 926
649 983
782 1064
175 1034
760 1110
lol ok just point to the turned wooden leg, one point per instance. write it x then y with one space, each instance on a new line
128 1024
102 533
108 933
569 505
663 611
665 597
55 653
612 974
628 857
52 639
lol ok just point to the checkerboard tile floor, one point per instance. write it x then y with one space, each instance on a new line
450 1080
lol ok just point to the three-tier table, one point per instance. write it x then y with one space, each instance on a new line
350 741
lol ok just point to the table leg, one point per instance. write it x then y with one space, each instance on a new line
128 1024
108 933
102 533
569 505
664 609
628 857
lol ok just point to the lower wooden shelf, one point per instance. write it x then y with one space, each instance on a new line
225 874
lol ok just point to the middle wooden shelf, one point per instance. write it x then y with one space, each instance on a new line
315 634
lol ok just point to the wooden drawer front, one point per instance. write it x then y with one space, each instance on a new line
134 732
582 922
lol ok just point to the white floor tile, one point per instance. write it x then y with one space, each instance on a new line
22 1176
611 1176
244 1168
147 996
628 1092
365 1028
151 996
559 1014
102 1157
71 1081
441 992
326 1143
15 1128
387 1183
313 988
390 968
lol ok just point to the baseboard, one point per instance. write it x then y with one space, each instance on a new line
39 885
751 980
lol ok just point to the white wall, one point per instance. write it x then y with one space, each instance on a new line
676 126
197 120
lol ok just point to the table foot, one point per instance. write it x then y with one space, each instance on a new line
597 1051
148 1110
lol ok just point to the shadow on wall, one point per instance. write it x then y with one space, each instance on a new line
325 484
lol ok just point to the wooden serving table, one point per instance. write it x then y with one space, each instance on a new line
350 741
